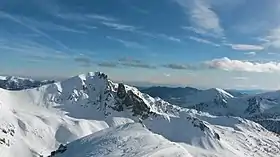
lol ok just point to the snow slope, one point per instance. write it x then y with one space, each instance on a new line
92 113
263 108
126 141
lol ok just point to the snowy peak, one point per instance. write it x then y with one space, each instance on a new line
213 96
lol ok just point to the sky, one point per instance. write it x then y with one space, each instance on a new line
199 43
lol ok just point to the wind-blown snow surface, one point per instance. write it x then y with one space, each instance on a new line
100 118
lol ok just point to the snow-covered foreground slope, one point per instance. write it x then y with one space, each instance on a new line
126 141
98 116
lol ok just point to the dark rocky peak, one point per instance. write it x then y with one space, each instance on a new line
129 100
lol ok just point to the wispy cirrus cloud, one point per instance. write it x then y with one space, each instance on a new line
273 38
21 22
101 17
252 53
84 17
83 61
138 65
119 26
200 40
195 30
108 64
50 26
202 16
127 62
135 63
31 50
171 38
176 66
240 78
113 23
128 44
87 26
247 66
246 47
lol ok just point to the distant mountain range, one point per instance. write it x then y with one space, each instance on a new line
19 83
263 108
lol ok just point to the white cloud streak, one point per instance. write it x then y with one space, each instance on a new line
32 28
273 38
246 47
240 78
202 16
119 26
200 40
238 65
128 44
251 53
84 17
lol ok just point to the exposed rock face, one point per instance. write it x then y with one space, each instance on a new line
254 105
7 133
61 149
270 124
131 101
121 92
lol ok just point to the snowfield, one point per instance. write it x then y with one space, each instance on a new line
95 117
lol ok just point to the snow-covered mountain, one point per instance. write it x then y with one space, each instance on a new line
19 83
182 96
176 96
263 108
92 116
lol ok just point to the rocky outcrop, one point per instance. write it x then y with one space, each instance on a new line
130 101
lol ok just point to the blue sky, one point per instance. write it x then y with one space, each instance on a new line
201 43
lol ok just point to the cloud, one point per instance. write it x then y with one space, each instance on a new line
171 38
129 62
182 66
240 78
115 24
128 44
84 61
28 49
238 65
49 26
84 17
200 40
167 75
101 17
32 28
202 16
136 30
139 65
176 66
88 26
273 38
118 26
246 47
108 64
195 30
251 53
